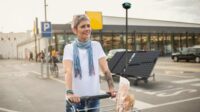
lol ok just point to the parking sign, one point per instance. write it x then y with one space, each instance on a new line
46 29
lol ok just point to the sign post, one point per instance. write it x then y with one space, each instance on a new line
46 33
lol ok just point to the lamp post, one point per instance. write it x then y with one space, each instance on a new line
45 10
45 17
126 6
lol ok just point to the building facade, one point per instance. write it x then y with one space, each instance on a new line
33 44
143 34
8 43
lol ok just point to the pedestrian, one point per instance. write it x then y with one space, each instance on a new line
42 55
54 56
30 56
82 59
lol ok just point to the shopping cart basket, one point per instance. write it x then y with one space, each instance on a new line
106 104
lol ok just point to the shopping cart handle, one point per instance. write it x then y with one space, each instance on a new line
96 97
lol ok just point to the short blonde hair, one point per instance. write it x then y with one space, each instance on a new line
77 19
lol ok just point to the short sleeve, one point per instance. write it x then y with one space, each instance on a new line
68 52
100 51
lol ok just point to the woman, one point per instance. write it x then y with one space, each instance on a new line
81 62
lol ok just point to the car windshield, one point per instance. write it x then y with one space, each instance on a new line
196 46
189 50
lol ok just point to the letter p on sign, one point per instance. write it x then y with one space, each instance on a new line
46 26
46 29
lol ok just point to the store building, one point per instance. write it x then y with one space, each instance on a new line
143 34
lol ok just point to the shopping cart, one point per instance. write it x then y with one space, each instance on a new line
106 104
139 66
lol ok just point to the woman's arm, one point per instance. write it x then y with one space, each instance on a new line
67 64
108 75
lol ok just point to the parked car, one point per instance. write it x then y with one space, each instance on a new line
187 54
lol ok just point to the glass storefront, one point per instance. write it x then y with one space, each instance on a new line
166 43
161 44
107 42
117 41
190 41
153 41
197 39
138 41
96 37
177 41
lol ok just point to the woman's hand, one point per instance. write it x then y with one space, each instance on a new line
73 98
113 93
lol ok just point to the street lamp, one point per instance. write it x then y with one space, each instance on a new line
126 6
47 40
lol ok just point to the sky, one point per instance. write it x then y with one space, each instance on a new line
19 15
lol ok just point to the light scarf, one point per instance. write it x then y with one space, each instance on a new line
77 67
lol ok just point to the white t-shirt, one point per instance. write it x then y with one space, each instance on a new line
88 85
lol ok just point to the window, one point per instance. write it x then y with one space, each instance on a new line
198 50
185 51
191 51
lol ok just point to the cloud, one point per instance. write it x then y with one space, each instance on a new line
171 10
188 8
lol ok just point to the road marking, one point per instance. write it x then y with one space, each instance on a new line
7 72
188 69
142 105
186 81
61 81
196 84
174 102
7 110
14 74
176 92
174 74
156 92
179 76
170 73
36 73
138 104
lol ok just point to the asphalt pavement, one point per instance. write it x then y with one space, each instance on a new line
176 88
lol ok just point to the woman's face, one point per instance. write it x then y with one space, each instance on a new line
83 30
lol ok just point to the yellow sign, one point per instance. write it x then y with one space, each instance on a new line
34 28
95 20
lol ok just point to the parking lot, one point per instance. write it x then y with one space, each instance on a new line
175 88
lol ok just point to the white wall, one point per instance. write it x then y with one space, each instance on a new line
29 46
9 41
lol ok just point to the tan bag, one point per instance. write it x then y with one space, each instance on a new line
125 100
